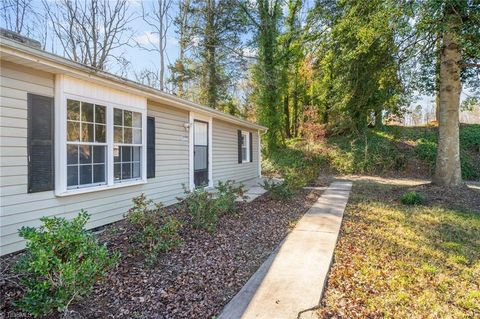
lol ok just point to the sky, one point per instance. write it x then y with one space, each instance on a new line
142 59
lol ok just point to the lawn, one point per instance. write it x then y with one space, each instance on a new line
399 261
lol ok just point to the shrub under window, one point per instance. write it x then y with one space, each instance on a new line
61 264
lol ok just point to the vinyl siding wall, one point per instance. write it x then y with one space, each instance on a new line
225 164
18 208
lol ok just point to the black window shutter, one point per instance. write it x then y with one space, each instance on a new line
40 140
150 147
239 140
250 143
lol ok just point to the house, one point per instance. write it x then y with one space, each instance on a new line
73 138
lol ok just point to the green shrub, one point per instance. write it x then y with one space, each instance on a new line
226 195
412 198
156 233
61 264
277 190
201 208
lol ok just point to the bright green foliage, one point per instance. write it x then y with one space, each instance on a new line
265 17
226 195
155 232
61 264
358 68
411 198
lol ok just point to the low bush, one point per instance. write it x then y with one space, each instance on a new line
226 195
156 232
205 207
411 198
61 264
277 190
200 206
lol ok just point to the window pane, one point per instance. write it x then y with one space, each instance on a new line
85 154
200 157
126 153
117 117
87 112
87 132
244 140
100 116
99 154
100 133
201 134
85 174
127 118
73 131
126 171
117 172
98 173
72 175
73 110
137 136
136 170
117 133
127 135
136 154
72 154
116 154
244 153
137 119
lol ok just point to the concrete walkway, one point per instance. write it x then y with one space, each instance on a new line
292 279
253 188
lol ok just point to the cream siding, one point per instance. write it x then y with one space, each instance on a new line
225 153
18 208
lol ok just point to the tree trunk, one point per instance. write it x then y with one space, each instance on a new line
447 169
286 111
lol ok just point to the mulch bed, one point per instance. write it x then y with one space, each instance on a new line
193 281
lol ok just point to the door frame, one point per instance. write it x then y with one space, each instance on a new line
208 119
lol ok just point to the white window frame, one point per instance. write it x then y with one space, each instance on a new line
192 117
61 144
247 142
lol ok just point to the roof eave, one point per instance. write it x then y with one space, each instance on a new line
65 66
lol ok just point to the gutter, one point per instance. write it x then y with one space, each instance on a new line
64 66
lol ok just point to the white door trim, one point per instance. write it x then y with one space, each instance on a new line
192 117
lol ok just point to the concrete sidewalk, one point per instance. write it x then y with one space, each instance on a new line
292 279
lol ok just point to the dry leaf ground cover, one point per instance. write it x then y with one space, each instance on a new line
397 261
196 279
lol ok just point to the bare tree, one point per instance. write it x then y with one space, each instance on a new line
147 77
16 14
89 31
158 18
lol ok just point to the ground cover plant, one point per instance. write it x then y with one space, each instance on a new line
433 254
61 264
390 151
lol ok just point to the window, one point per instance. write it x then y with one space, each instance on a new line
86 144
104 145
245 147
127 145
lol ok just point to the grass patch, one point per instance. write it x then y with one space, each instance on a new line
433 254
